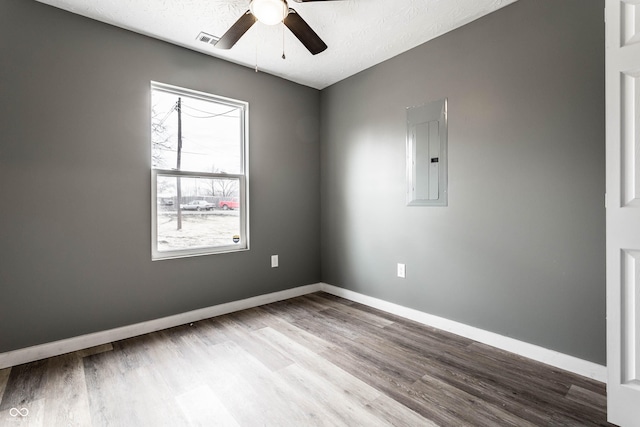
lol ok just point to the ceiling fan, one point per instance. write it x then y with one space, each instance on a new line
271 12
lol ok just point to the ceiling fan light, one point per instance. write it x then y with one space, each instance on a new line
269 12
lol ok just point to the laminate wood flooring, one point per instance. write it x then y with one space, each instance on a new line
315 360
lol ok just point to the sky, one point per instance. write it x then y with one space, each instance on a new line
211 137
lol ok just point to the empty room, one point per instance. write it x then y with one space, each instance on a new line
307 212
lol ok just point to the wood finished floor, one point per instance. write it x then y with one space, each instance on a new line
316 360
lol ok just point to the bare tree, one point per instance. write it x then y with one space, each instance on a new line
211 188
166 186
160 138
227 187
221 186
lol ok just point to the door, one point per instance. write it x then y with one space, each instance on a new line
622 63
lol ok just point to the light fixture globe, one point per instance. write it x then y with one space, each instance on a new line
269 12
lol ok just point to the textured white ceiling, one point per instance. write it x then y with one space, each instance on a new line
359 33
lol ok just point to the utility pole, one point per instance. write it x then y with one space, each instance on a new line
179 179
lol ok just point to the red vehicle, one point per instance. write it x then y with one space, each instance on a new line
231 203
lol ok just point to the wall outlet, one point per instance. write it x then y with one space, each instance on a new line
274 261
401 270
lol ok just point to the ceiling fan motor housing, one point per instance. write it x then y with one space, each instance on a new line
269 12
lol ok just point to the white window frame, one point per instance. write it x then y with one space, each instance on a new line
242 177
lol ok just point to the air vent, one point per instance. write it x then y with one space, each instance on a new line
208 38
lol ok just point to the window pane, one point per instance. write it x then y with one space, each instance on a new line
205 215
211 134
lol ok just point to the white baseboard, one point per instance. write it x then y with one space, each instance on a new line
56 348
531 351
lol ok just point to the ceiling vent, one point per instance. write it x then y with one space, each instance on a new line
207 38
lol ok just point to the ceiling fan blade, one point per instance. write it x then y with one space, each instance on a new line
304 33
236 31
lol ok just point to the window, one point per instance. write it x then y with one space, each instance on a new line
198 173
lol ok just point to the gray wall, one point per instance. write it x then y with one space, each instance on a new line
75 235
520 250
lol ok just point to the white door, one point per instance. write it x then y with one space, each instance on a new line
623 210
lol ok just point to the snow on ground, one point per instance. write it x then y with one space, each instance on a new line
213 228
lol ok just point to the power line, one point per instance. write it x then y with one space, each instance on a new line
182 151
208 112
208 117
167 115
211 114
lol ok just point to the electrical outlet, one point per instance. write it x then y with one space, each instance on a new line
274 261
401 270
